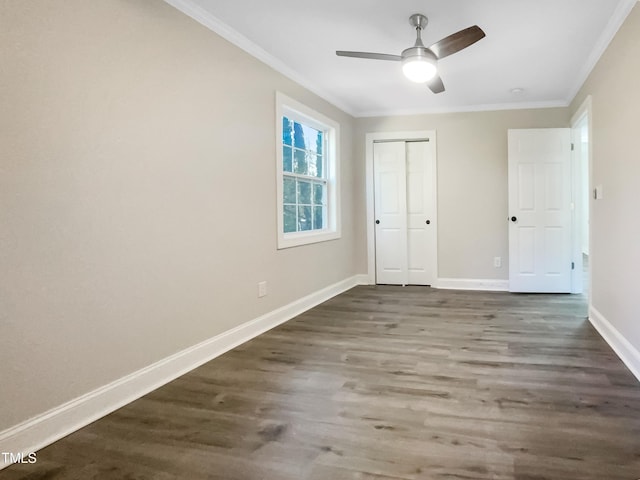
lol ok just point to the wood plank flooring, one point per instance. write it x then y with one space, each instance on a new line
383 383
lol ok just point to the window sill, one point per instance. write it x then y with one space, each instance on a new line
305 238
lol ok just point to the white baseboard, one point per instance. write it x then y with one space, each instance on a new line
472 284
629 355
60 421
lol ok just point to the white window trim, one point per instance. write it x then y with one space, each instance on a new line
298 111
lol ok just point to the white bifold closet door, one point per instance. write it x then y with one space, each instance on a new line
405 212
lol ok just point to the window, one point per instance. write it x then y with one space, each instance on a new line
307 146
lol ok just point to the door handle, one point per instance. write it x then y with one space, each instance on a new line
514 219
428 222
377 222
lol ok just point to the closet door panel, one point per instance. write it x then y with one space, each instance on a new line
390 213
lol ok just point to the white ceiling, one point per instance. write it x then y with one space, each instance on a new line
545 47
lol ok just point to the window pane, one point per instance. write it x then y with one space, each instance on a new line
318 194
313 139
289 190
307 138
287 131
319 167
287 159
298 136
289 218
304 192
304 218
301 166
319 142
312 163
318 220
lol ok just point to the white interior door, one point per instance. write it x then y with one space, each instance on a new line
390 204
540 210
421 210
405 213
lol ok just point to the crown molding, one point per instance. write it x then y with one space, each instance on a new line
202 16
620 14
464 108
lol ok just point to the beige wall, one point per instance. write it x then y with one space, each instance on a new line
472 183
137 195
615 242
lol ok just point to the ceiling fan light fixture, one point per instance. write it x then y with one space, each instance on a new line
419 70
419 64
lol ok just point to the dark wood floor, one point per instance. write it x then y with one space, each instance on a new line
383 383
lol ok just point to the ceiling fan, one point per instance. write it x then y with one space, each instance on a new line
419 63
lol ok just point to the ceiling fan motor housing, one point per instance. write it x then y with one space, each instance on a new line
419 53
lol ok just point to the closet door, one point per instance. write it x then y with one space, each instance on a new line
390 204
421 214
405 211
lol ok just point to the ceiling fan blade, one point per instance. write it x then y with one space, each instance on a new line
457 41
371 56
436 85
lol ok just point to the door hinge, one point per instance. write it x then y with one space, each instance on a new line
573 266
573 147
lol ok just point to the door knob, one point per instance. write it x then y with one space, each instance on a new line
428 222
377 222
514 219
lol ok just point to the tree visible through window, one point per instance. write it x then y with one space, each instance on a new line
303 175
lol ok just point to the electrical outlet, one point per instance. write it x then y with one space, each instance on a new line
497 262
262 289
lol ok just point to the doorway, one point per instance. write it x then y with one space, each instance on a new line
527 257
581 186
401 184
